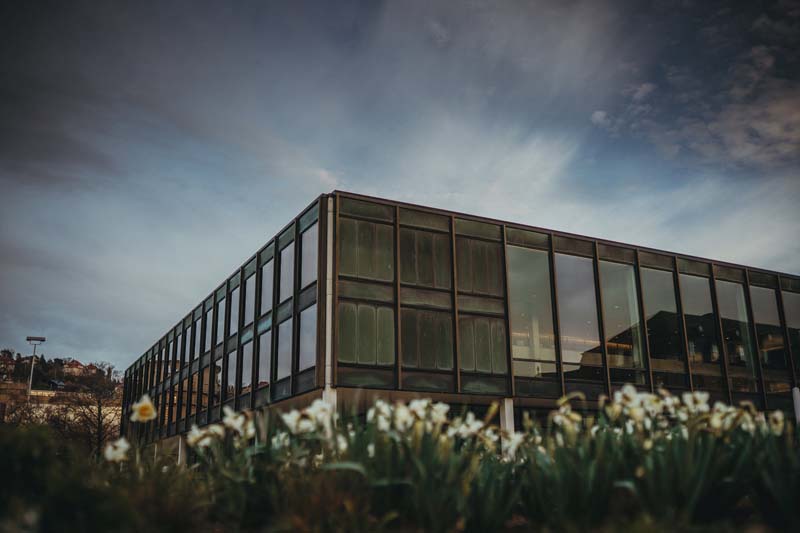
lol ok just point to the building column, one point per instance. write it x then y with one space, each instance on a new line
796 399
329 392
507 415
181 450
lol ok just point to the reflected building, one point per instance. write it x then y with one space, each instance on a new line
359 298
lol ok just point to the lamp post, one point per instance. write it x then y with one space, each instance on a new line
33 341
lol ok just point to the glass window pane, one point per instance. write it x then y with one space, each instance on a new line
701 326
216 368
308 261
194 393
284 362
663 322
425 258
266 286
768 329
530 304
623 328
366 334
247 367
482 342
577 311
735 326
264 358
198 327
308 338
249 300
230 391
480 267
220 321
366 250
427 339
205 389
234 321
287 273
791 311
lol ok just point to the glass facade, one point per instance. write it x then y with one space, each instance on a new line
429 301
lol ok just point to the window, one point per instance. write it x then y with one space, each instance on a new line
425 259
249 300
230 390
247 367
198 324
287 273
623 329
366 334
209 328
771 346
168 358
427 339
307 357
482 342
266 286
701 335
220 320
194 394
577 313
264 358
284 362
480 266
217 377
663 325
179 354
791 311
530 310
736 335
234 320
205 389
308 261
184 407
366 250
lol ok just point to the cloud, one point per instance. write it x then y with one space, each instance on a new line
643 91
600 118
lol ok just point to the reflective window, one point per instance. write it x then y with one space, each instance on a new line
480 267
287 273
482 342
308 261
577 314
247 367
264 358
249 300
736 332
791 311
663 322
194 393
266 286
234 320
179 354
230 389
366 334
701 327
427 339
209 328
205 389
220 321
284 362
198 327
216 368
366 249
530 308
425 258
623 329
168 358
307 356
184 407
769 334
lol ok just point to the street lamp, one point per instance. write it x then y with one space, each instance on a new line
33 341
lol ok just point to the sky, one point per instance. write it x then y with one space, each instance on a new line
148 148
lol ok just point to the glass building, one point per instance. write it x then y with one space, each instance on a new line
359 298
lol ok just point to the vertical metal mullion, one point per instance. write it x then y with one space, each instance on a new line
786 339
456 329
295 309
754 336
397 322
322 280
511 386
676 283
254 366
335 295
551 253
237 386
273 338
643 320
723 349
601 316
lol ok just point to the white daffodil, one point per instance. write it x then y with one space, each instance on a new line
194 435
419 408
403 419
280 440
291 419
143 410
117 451
233 420
439 412
341 443
510 444
776 422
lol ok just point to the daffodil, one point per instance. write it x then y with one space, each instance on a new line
143 410
117 451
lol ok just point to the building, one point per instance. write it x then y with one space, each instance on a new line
360 297
74 368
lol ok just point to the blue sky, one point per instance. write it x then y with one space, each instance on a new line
147 150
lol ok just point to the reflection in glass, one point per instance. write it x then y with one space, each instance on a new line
264 358
701 335
768 328
791 312
234 321
230 391
736 331
530 309
198 328
179 353
247 367
266 286
205 389
220 321
663 322
194 394
308 338
284 362
577 314
623 329
249 299
308 261
287 273
216 368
